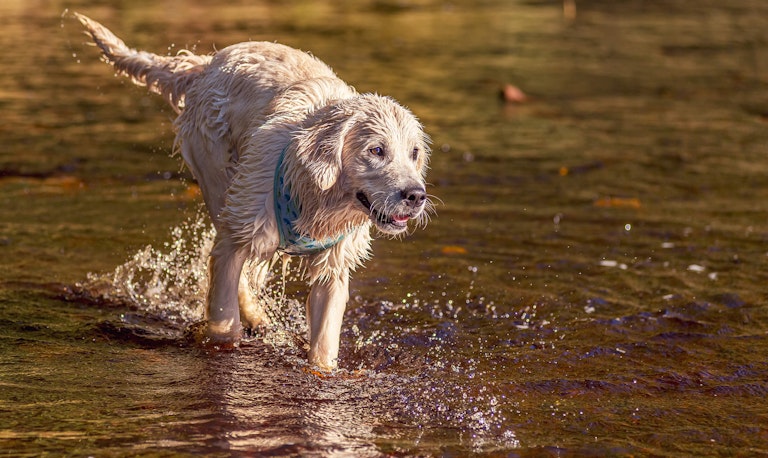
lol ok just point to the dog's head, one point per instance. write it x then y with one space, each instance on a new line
374 153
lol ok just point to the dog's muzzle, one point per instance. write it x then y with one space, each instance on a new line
395 220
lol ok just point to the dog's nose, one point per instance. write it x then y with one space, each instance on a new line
414 197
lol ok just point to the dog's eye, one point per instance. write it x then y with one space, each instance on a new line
415 154
378 151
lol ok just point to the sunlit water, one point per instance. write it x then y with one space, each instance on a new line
593 283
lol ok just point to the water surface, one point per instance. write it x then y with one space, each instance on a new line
593 283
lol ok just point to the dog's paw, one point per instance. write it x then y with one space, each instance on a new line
316 373
198 334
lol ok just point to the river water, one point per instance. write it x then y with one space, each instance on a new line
594 282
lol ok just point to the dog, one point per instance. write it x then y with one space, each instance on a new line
291 161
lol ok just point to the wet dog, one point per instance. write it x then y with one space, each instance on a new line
291 161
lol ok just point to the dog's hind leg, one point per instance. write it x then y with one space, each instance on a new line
252 281
223 314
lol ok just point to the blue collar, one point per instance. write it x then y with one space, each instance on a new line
287 211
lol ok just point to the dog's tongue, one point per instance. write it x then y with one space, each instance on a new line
400 218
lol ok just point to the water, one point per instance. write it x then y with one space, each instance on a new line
593 284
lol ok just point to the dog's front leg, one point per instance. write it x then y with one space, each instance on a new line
223 312
325 311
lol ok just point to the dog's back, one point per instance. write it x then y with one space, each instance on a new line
250 74
222 98
253 69
243 85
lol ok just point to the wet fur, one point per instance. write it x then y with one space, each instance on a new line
238 110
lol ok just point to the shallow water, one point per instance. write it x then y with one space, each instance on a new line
593 283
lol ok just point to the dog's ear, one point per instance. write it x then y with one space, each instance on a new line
320 145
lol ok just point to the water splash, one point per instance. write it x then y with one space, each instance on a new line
170 282
445 372
419 352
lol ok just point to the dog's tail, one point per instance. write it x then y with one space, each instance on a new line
169 76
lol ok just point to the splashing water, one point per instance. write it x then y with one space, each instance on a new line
415 352
445 380
170 282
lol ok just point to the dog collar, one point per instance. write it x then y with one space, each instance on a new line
287 211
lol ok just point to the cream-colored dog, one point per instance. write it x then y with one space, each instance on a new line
291 160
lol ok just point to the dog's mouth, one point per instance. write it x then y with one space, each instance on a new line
393 223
